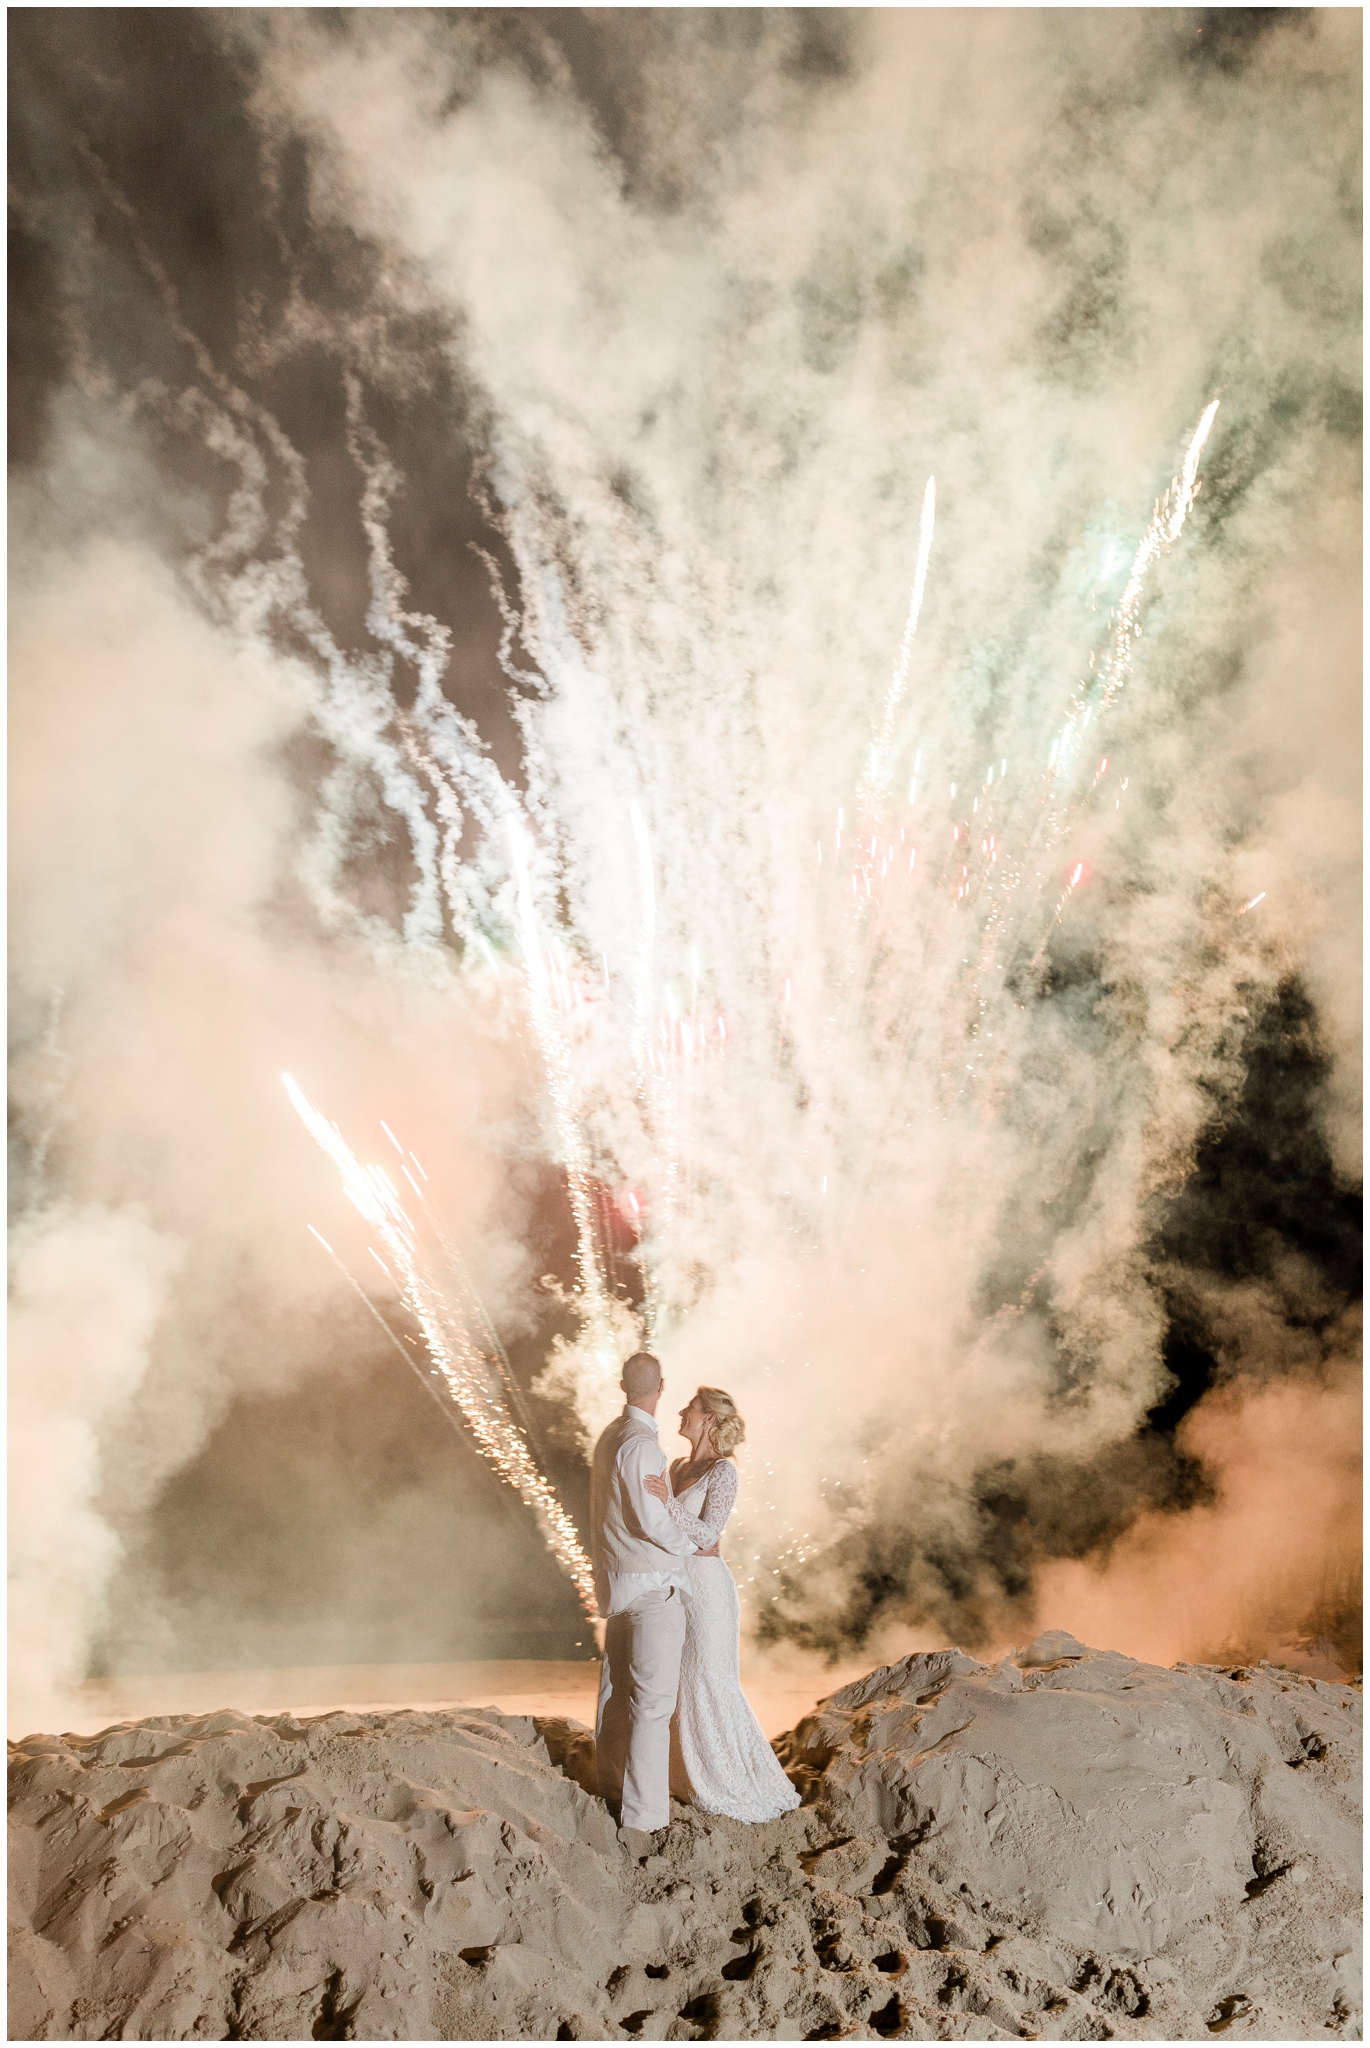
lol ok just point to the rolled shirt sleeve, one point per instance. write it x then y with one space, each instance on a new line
639 1456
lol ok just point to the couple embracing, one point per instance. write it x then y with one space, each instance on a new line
671 1617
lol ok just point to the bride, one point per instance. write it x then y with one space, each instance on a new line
731 1767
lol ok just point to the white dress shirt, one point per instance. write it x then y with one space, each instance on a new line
638 1455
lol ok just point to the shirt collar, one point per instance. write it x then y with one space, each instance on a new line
640 1416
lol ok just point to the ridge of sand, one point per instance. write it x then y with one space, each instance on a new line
1068 1846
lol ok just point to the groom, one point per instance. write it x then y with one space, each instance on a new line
641 1584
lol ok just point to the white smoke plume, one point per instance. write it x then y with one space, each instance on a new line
87 1289
162 979
896 1045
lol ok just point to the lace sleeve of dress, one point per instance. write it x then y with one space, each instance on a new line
720 1496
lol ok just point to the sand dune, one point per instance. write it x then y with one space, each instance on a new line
1070 1845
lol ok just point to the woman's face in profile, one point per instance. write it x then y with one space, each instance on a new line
694 1422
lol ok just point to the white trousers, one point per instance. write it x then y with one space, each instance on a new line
638 1683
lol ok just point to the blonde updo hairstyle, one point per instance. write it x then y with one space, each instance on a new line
729 1430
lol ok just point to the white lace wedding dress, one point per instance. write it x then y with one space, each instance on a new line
728 1765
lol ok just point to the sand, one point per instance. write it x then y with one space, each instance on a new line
1066 1846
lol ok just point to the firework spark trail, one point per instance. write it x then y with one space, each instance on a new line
1099 696
593 1297
642 979
1167 524
465 1373
448 751
1165 529
472 1307
869 804
868 811
653 1077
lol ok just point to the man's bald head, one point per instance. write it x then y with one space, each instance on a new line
642 1380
